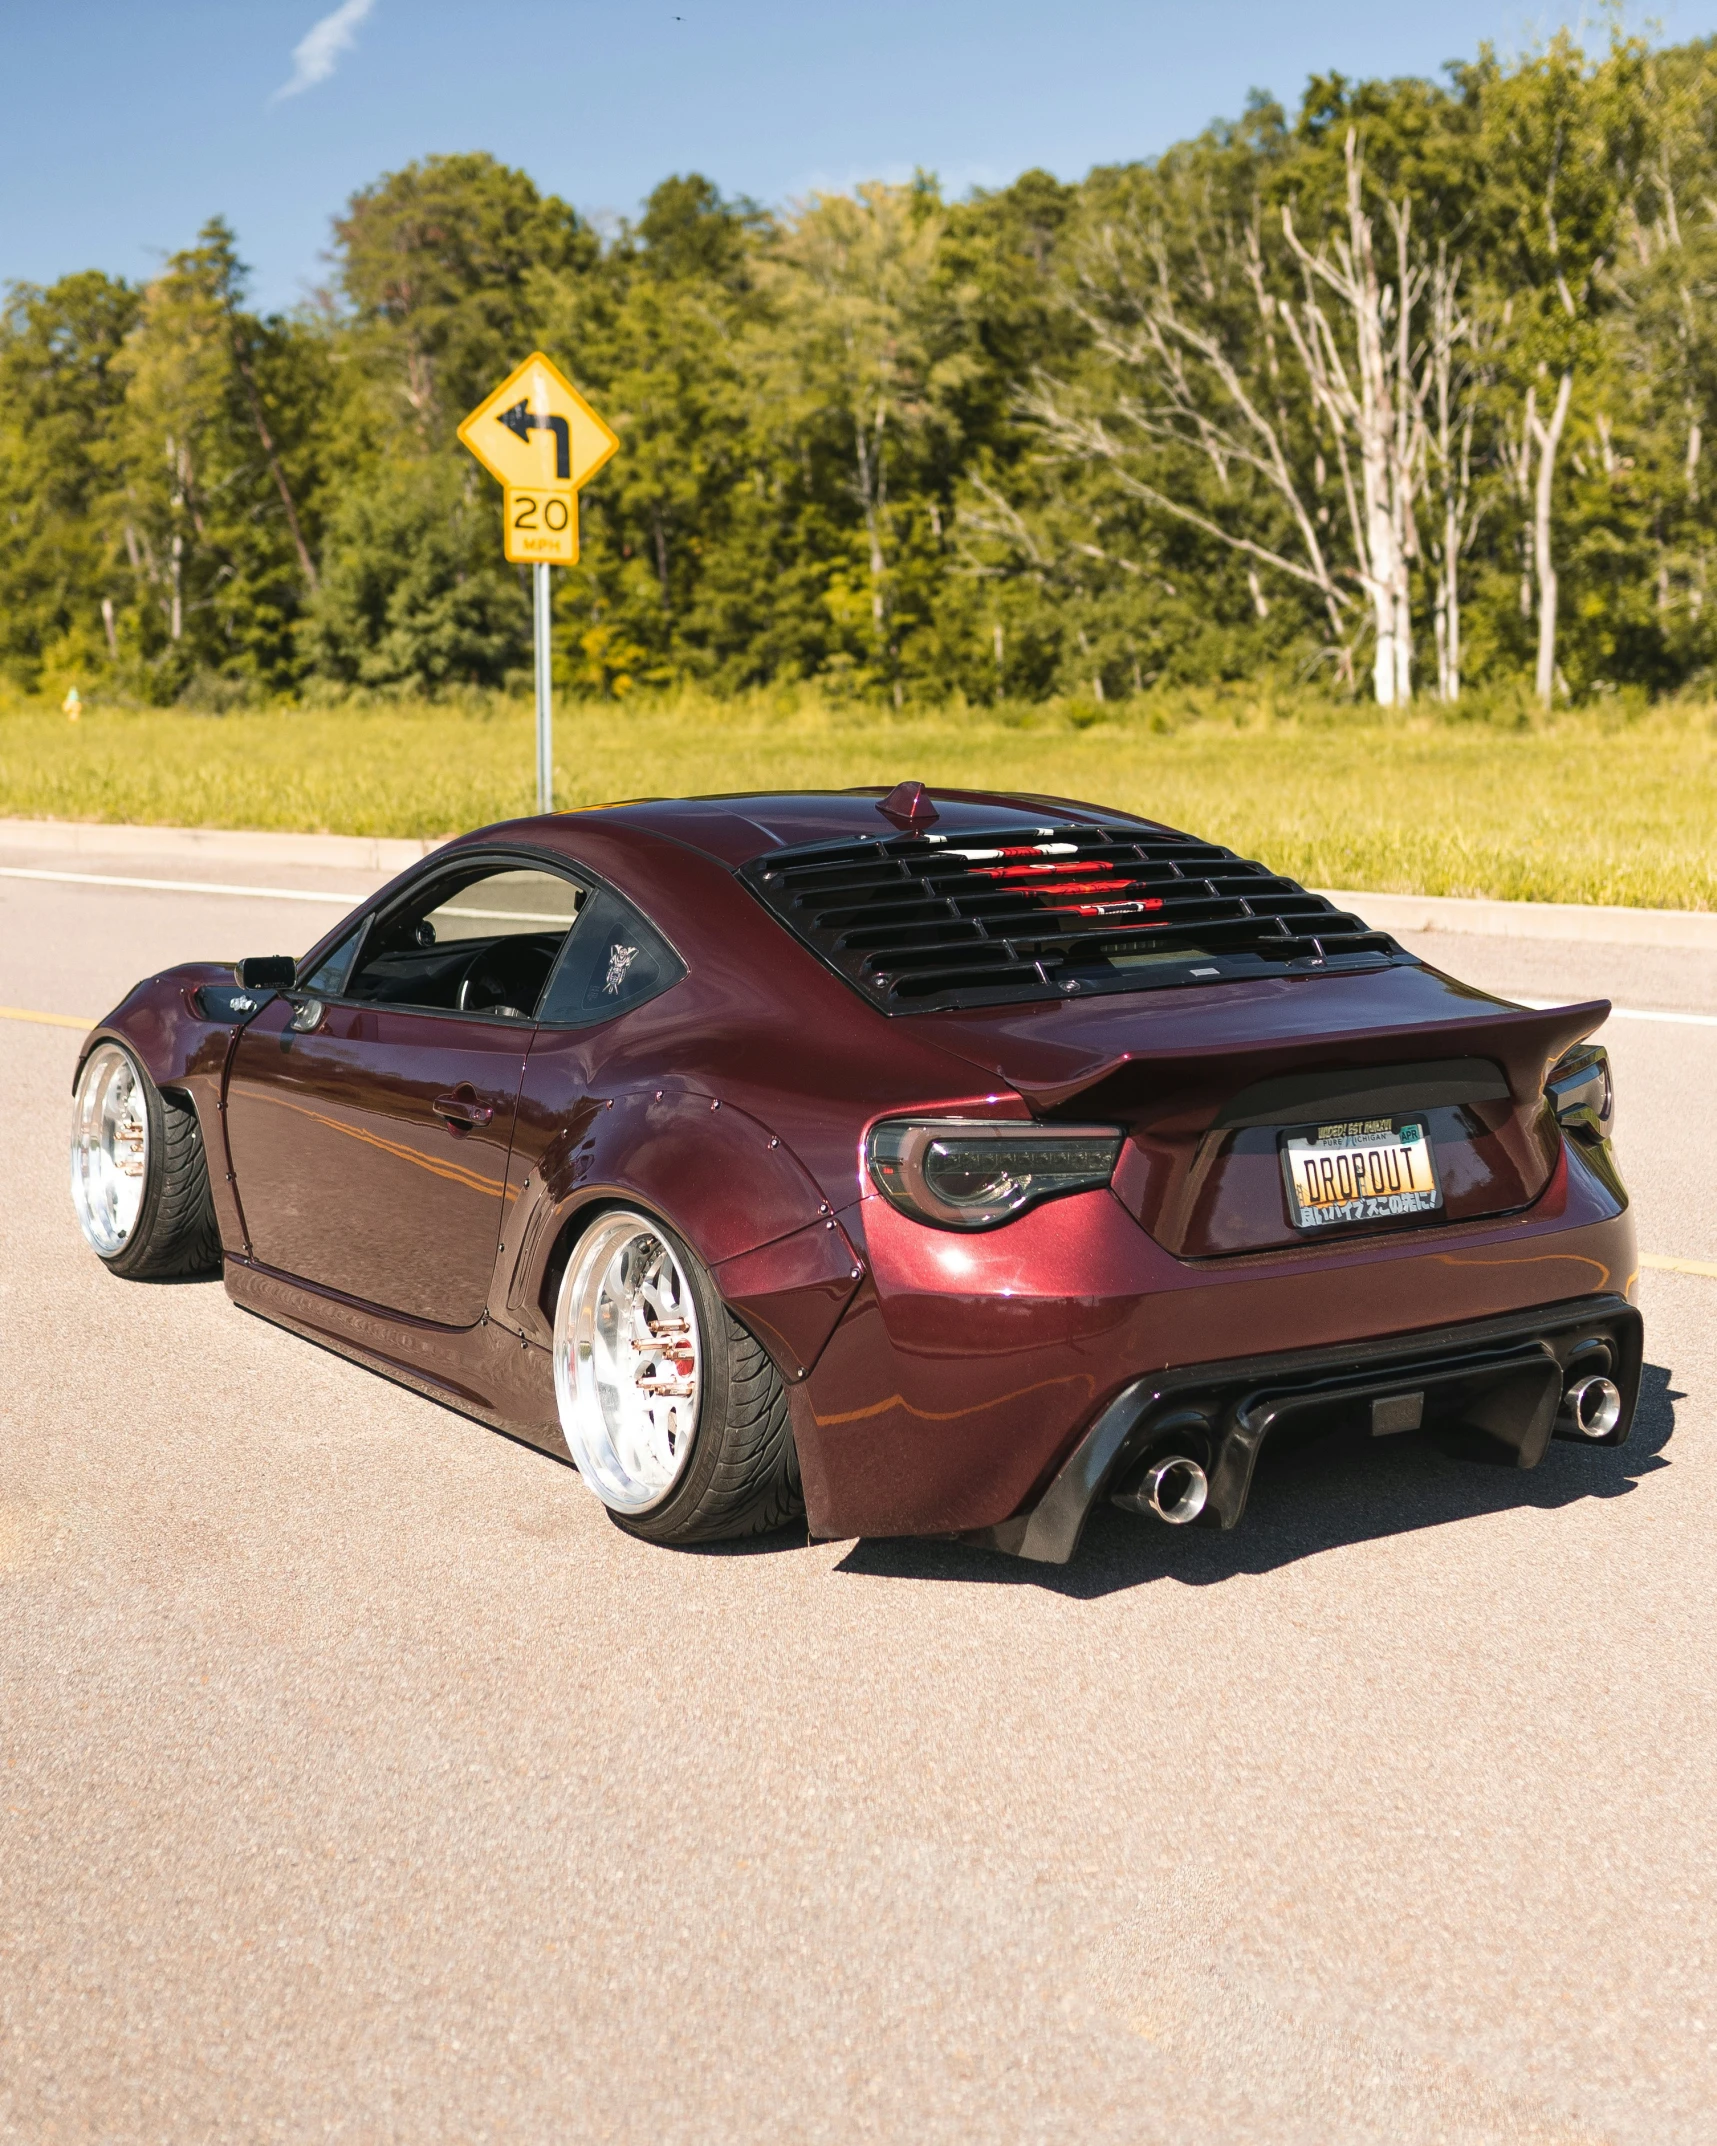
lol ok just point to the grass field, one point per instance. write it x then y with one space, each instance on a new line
1592 808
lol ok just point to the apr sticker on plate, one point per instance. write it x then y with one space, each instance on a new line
1366 1170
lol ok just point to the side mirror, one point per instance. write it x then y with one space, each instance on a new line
268 972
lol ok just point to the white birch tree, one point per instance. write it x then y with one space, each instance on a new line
1336 373
1368 382
1543 439
1451 414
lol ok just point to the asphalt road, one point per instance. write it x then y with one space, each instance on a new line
359 1781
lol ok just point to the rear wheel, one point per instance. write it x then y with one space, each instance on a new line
675 1415
140 1180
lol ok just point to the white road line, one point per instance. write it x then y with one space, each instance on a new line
185 886
1707 1267
1630 1013
263 894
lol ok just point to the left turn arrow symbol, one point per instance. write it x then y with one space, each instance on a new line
523 420
510 429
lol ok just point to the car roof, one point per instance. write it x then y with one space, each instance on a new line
737 827
899 893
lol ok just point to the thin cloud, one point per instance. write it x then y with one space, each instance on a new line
319 51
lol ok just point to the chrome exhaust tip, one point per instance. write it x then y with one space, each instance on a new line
1593 1406
1174 1488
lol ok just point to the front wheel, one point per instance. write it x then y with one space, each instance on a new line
140 1179
674 1414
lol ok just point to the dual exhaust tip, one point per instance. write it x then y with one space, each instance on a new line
1176 1489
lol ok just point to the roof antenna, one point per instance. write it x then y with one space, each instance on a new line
908 806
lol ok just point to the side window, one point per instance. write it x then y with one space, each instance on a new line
477 939
330 976
612 962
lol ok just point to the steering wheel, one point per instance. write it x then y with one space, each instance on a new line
483 988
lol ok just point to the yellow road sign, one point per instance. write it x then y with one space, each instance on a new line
541 524
536 433
539 436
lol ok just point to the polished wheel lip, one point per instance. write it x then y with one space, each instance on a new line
109 1148
628 1361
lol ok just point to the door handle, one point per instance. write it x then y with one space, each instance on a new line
461 1109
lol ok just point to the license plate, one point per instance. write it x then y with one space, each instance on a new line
1365 1170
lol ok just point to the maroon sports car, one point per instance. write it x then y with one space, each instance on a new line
929 1166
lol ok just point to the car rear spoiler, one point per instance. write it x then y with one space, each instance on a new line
1215 1073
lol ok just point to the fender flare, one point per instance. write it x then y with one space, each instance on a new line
737 1195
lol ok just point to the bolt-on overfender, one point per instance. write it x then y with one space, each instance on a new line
724 1182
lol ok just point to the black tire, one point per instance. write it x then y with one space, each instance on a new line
742 1477
176 1232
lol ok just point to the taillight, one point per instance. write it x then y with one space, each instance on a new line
971 1173
1582 1093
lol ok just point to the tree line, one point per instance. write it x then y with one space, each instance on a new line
1405 392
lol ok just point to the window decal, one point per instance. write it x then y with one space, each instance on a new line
614 961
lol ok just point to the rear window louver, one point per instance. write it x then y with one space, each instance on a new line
923 923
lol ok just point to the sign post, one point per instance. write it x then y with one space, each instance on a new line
542 440
545 690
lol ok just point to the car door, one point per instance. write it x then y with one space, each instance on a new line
370 1113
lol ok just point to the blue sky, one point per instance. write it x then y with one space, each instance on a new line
129 122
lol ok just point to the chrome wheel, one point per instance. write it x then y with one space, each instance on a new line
628 1362
110 1148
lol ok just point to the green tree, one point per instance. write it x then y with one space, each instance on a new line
449 272
858 361
61 399
657 340
215 478
410 598
1563 142
1419 362
446 267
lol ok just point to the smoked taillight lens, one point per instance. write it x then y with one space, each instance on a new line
971 1173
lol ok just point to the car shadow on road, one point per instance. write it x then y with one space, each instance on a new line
1321 1497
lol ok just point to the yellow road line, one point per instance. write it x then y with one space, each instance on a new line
47 1020
1707 1267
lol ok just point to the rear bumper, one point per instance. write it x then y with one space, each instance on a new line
1495 1382
966 1369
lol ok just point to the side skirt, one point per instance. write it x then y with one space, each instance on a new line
485 1371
